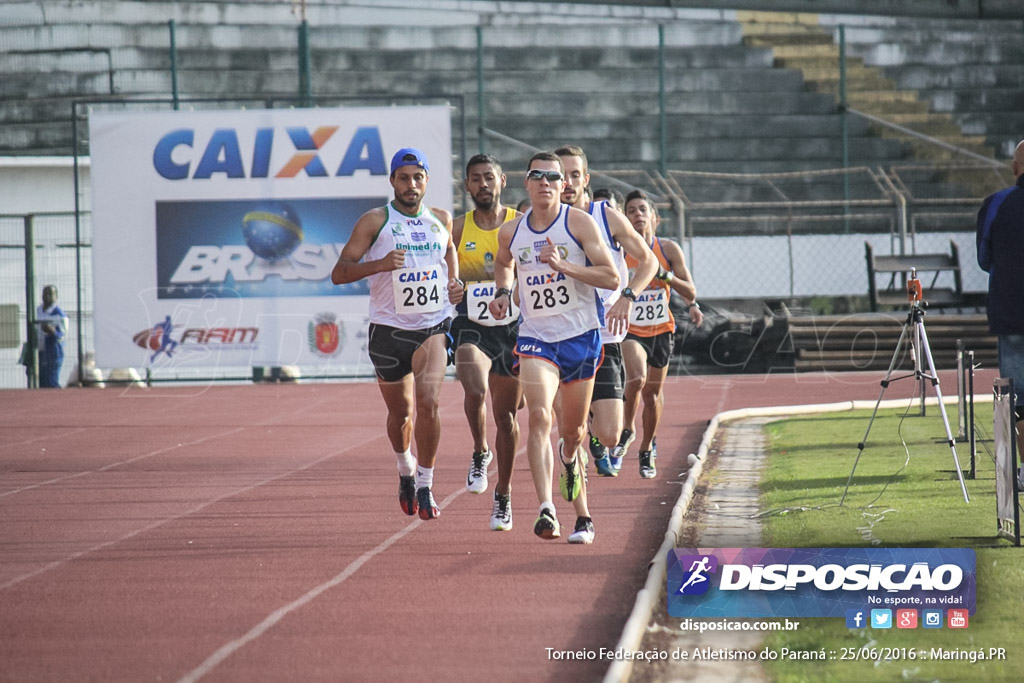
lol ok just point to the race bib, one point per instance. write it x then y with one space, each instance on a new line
548 293
478 298
421 289
650 308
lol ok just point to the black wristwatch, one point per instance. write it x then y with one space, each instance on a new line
628 293
502 291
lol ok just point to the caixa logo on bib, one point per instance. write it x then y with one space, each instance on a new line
816 582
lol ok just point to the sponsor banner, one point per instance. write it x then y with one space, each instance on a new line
215 232
817 582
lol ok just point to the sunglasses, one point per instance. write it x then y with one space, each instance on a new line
550 176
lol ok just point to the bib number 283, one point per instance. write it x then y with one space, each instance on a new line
549 294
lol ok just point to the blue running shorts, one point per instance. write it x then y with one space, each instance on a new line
576 358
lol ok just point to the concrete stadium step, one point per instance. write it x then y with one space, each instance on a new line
620 150
737 126
44 138
14 85
928 76
240 36
707 103
974 100
984 50
869 341
928 31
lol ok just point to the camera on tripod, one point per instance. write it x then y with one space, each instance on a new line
914 291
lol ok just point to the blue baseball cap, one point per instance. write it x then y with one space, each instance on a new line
409 156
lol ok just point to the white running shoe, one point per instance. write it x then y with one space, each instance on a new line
584 532
476 480
501 518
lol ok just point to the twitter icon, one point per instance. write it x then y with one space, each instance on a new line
881 618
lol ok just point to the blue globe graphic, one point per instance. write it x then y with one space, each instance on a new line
272 231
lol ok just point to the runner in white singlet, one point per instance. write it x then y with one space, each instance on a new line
406 251
606 408
558 260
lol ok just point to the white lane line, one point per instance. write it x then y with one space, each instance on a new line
112 465
166 449
190 511
277 615
42 437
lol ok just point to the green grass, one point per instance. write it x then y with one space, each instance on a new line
810 461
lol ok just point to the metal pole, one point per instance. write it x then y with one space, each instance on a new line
662 125
481 116
972 438
844 125
32 367
305 57
79 335
174 63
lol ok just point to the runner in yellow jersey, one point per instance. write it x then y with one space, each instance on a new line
484 346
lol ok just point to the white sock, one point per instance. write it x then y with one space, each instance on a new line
549 507
406 463
424 477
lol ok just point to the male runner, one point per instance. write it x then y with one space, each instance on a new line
606 407
484 346
406 251
648 346
559 261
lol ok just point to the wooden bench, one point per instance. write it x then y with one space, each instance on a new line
894 292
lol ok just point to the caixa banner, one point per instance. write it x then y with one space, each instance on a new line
215 232
816 582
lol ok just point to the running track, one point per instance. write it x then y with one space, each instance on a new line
253 533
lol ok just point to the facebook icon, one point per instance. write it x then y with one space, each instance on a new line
855 618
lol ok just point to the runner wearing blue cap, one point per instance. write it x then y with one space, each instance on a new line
406 252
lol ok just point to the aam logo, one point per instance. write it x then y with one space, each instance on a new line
698 568
175 152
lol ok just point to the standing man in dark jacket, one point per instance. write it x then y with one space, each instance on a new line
1001 255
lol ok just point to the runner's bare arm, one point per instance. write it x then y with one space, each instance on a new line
456 287
349 267
504 271
647 266
681 281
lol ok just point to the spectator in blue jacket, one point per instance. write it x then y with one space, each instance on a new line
52 326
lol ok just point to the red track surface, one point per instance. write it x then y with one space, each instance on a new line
253 533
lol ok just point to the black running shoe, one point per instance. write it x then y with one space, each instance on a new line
407 494
648 470
546 525
428 508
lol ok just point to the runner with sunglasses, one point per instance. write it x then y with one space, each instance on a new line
558 259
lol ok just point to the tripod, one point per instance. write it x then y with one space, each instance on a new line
914 327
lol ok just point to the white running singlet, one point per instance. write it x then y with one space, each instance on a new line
414 297
552 306
610 296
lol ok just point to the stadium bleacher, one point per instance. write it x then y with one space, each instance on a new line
744 91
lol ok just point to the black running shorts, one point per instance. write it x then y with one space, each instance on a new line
610 380
497 343
659 348
391 348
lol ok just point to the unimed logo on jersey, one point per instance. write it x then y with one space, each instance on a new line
816 582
